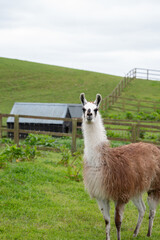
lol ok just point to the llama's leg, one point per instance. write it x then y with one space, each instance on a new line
138 202
152 202
119 208
104 207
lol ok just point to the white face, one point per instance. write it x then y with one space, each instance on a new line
90 112
90 109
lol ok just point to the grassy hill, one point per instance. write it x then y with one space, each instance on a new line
139 96
22 81
143 90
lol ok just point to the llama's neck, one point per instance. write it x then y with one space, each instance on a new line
94 134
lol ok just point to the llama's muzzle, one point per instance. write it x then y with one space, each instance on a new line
89 115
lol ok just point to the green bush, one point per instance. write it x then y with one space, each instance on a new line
6 141
129 115
142 133
47 141
40 140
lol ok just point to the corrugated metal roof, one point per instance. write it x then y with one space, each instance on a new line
39 109
75 110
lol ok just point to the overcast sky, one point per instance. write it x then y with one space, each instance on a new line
98 35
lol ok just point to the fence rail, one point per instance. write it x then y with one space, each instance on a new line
135 105
149 74
16 131
117 130
139 73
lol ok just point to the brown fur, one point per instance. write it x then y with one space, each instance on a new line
124 172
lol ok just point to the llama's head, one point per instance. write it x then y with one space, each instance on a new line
90 109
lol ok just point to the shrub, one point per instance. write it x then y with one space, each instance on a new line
40 140
6 141
142 133
47 141
129 115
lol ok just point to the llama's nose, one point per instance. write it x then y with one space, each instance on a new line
89 112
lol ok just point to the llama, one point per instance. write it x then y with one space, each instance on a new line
119 174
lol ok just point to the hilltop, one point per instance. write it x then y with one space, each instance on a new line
23 81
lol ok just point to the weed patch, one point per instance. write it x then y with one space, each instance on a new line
73 163
17 154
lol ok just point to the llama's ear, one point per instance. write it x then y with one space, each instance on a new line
82 98
98 99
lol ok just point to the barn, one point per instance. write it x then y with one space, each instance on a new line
75 111
58 110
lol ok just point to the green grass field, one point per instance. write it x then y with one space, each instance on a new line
22 81
138 90
39 201
143 90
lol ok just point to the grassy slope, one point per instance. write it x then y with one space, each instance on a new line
143 90
138 89
38 201
34 82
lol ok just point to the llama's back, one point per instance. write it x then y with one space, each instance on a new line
130 170
125 172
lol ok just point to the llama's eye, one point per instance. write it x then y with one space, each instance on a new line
95 110
83 109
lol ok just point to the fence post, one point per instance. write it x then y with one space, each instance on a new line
125 80
138 130
109 101
135 73
154 106
16 129
74 133
147 74
115 95
119 89
106 103
112 97
134 133
0 125
123 104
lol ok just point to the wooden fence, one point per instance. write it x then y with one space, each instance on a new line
148 74
139 73
117 130
109 100
133 131
135 105
16 131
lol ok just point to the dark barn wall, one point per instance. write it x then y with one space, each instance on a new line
36 127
